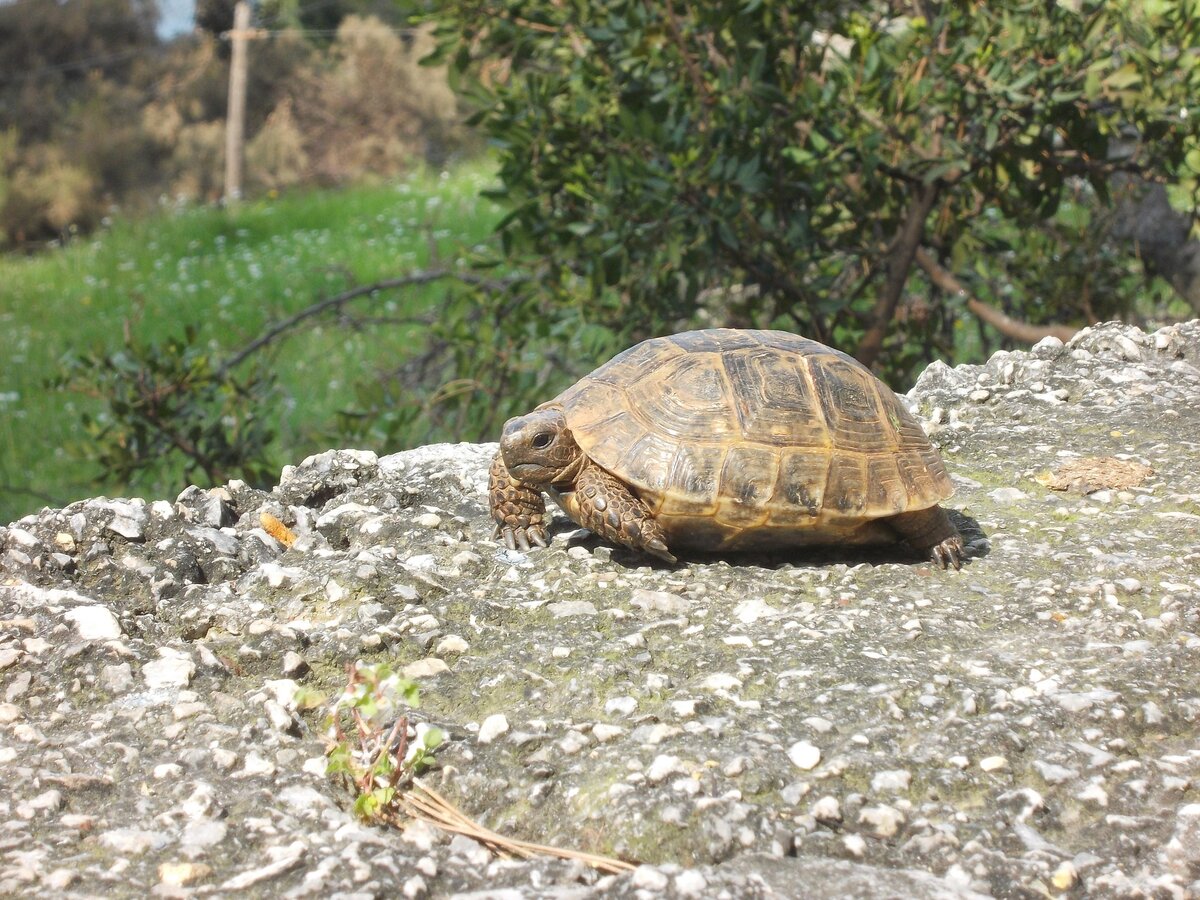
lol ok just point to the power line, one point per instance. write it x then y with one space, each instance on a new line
88 63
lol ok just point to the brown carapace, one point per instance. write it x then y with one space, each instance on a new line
721 440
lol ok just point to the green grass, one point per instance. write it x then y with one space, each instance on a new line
230 273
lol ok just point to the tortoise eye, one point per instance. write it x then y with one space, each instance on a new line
542 441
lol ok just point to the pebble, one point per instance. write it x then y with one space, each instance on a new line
855 844
451 643
567 608
690 883
663 767
294 664
827 809
493 727
604 732
1065 876
1054 774
993 763
94 623
648 878
659 601
804 755
429 667
893 781
172 669
181 874
884 820
750 611
621 706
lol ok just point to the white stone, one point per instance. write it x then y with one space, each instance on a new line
425 668
892 781
493 727
750 611
884 820
172 669
648 878
993 763
804 755
690 883
451 643
133 840
1094 793
683 709
658 601
94 623
1054 774
721 681
855 844
826 809
604 733
663 767
566 608
1007 495
620 706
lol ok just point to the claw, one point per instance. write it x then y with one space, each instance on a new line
522 540
948 553
659 549
510 539
538 536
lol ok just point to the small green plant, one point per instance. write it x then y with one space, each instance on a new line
369 743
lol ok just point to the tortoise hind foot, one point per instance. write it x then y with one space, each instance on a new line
949 552
931 530
603 504
518 510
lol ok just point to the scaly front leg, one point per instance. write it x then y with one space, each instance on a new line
603 504
518 509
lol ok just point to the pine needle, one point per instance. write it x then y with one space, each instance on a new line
424 803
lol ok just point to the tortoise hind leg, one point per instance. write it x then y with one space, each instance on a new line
601 503
931 530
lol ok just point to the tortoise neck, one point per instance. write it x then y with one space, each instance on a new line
565 482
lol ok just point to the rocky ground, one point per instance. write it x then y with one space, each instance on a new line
830 725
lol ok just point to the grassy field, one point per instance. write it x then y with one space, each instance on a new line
229 273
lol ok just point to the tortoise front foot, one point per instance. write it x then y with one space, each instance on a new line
518 510
603 504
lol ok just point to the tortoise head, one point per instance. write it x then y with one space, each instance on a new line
538 448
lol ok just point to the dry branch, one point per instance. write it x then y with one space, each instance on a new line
1002 322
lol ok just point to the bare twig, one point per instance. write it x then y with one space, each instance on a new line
412 279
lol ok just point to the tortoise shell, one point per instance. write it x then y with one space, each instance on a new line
751 439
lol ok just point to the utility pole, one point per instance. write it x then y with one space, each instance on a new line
235 123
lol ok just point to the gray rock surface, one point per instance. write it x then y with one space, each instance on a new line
825 725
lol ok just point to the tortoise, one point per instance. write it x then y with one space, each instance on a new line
726 440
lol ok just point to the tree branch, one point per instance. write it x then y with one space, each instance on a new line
899 262
426 276
1001 321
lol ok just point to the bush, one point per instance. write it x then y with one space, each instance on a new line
658 154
